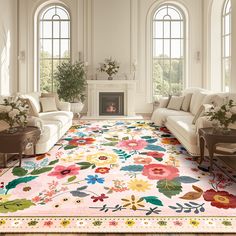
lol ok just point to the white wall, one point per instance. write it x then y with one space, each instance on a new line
117 28
8 47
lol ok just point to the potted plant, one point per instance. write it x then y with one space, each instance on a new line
109 66
71 80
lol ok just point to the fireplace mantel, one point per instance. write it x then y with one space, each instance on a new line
95 87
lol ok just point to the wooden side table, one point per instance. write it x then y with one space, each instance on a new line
208 137
18 141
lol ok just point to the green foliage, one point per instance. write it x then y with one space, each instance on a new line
19 171
41 170
153 200
167 77
15 205
71 80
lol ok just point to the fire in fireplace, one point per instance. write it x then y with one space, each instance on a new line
111 103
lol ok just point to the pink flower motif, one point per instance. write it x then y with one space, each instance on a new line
50 193
53 184
63 171
159 171
178 223
113 223
36 199
48 223
133 144
46 200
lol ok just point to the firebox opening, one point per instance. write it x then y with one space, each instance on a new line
111 104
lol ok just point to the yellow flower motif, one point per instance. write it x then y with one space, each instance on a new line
72 158
194 223
2 222
130 223
139 185
4 198
65 223
133 203
102 158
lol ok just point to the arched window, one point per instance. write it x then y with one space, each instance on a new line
226 46
168 50
53 44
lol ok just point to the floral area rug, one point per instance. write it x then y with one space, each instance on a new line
116 176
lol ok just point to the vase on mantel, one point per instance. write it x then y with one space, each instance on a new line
110 77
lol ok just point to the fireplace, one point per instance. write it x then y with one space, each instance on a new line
111 104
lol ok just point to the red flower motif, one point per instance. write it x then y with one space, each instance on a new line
220 199
63 171
156 155
165 130
48 223
172 141
133 144
159 171
99 198
102 170
81 141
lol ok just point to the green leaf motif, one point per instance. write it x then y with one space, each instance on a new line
68 147
53 162
15 182
110 144
15 205
169 187
153 200
85 165
186 179
122 154
41 170
19 171
72 178
112 139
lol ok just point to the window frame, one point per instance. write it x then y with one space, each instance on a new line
38 23
182 38
224 14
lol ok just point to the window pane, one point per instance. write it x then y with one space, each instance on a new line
56 29
46 30
227 46
158 29
45 75
227 24
176 29
65 48
56 48
176 48
65 26
174 13
62 13
158 47
46 47
161 13
166 29
166 48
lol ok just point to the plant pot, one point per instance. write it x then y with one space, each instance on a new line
76 107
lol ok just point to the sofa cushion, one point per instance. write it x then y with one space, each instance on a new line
175 103
197 101
61 116
160 115
50 129
48 104
186 102
183 125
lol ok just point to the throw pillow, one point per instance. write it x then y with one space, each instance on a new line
201 111
186 103
52 95
164 101
48 104
175 103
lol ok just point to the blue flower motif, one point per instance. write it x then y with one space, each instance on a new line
93 179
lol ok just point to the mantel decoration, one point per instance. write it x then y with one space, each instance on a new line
14 111
223 116
109 66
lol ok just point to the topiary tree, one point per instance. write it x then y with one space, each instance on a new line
71 79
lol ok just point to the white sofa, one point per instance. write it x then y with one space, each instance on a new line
180 122
53 125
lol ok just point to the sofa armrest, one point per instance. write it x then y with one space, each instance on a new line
203 122
35 121
64 106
